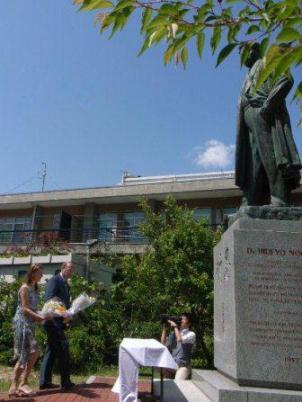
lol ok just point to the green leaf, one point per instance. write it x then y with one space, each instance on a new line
210 18
288 35
225 52
123 4
202 11
96 4
263 46
271 61
292 22
116 25
169 54
200 43
121 20
107 21
298 92
146 18
227 13
159 35
180 42
145 45
215 38
244 12
168 9
288 60
233 31
288 11
152 38
157 21
252 29
244 52
184 56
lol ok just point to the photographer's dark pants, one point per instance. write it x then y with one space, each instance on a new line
57 348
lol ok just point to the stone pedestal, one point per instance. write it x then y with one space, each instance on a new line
258 305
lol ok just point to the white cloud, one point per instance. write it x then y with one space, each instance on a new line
215 154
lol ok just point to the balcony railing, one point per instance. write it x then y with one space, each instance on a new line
78 229
117 234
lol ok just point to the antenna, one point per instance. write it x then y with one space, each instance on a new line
43 174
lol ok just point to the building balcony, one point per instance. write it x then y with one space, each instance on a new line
120 231
114 234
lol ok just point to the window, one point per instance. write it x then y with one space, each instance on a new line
229 211
5 237
56 221
76 228
14 229
220 214
107 226
21 274
131 222
204 213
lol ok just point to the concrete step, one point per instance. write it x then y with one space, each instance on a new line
219 388
180 391
215 386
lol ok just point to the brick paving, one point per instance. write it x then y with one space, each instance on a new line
100 390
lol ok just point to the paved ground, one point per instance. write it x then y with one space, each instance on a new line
100 390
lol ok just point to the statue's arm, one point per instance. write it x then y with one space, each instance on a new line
278 92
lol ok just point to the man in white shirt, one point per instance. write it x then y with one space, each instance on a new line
180 342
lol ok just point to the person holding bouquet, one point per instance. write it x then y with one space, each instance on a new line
26 350
57 343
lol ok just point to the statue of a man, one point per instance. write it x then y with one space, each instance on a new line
267 161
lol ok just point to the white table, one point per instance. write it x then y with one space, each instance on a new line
134 353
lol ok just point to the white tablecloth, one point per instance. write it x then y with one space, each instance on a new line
134 353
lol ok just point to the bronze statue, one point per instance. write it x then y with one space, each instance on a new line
267 161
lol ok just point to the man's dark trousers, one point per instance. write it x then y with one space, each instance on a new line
57 344
57 349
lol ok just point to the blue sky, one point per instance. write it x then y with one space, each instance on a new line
90 108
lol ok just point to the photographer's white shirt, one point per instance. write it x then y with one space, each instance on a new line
181 351
188 336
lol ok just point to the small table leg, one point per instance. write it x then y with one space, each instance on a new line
160 397
152 382
161 385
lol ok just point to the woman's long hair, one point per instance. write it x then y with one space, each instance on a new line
30 273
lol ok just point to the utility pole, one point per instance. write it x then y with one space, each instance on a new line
44 173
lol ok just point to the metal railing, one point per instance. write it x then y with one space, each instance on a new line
80 229
108 230
117 234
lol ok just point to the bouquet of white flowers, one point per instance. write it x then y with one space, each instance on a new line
81 303
56 307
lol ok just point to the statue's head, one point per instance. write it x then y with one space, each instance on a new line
253 56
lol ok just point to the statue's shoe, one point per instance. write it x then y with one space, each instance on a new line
277 202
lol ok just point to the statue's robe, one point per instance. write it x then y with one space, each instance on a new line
271 98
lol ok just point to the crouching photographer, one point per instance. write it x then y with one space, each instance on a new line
180 341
